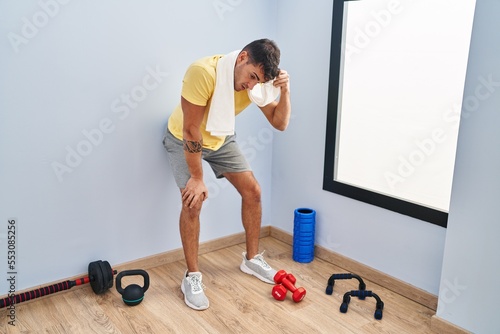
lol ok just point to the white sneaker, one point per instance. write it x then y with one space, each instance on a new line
258 267
192 288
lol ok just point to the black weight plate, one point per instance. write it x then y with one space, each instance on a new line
109 270
96 277
105 276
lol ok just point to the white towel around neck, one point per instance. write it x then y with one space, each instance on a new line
221 117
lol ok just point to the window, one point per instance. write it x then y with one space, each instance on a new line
397 74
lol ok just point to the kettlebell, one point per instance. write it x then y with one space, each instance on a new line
133 294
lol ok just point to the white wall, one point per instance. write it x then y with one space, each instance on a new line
110 71
406 248
471 268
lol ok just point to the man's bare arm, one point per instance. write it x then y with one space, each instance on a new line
278 113
195 189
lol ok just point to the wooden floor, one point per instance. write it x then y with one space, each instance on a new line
239 303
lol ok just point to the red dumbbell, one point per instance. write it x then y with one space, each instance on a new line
279 291
286 282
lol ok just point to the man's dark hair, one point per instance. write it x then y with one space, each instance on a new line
265 53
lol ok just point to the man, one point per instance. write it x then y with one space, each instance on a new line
187 141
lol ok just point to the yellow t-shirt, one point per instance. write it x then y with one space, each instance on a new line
198 88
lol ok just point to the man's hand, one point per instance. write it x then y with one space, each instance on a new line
278 113
195 192
282 81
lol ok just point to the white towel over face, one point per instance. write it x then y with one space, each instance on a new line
263 94
221 117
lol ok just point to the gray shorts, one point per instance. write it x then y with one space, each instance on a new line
227 159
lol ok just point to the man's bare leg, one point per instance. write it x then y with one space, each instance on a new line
189 227
251 208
